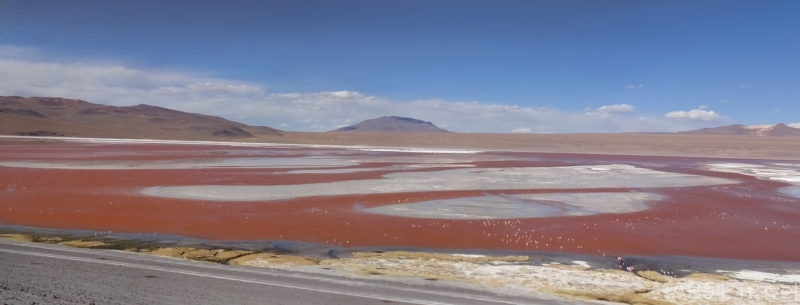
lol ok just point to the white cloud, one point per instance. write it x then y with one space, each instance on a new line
617 108
700 114
521 130
120 85
633 86
795 125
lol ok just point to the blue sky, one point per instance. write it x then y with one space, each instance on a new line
479 66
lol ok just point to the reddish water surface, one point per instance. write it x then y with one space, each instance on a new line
749 220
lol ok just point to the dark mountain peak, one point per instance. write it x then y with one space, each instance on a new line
393 124
410 120
149 107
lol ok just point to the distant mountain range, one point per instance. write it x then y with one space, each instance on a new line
778 130
49 116
392 124
52 116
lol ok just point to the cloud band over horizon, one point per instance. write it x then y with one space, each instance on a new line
312 111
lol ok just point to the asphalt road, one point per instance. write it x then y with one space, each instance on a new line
53 274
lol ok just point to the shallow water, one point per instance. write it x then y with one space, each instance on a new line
700 214
793 191
521 206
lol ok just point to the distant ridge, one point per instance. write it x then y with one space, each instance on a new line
53 116
778 130
392 124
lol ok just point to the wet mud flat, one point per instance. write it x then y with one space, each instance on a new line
657 213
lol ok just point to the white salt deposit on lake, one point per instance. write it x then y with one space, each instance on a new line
594 203
421 150
469 255
431 159
569 177
521 206
582 264
784 172
374 169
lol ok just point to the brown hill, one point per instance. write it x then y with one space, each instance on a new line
778 130
783 130
48 116
723 130
392 124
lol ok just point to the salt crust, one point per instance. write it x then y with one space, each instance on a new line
521 206
784 172
569 177
573 281
374 169
762 276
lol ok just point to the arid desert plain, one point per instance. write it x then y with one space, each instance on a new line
646 228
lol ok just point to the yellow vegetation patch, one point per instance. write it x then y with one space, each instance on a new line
17 237
44 239
171 252
83 244
270 259
228 255
216 255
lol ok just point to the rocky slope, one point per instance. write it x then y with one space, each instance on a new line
50 116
